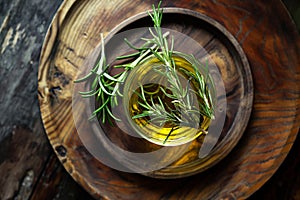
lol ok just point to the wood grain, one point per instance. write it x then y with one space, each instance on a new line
24 163
272 129
24 149
56 183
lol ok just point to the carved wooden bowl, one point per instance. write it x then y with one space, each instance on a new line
72 42
234 93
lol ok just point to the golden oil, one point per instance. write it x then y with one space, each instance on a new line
145 78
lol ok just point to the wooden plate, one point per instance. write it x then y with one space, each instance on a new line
73 36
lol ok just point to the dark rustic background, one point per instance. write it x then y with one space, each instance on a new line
28 167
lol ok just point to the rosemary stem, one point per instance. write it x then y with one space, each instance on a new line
102 59
134 63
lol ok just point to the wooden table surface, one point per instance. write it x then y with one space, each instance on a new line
29 168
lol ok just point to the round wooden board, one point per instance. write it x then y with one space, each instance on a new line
269 136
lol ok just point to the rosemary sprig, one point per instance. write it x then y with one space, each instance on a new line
183 110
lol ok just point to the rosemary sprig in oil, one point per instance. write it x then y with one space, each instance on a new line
185 113
106 88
